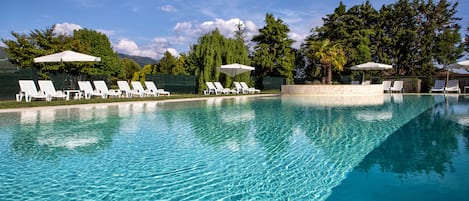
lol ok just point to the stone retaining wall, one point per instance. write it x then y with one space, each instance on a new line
342 89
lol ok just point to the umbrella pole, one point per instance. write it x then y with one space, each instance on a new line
447 77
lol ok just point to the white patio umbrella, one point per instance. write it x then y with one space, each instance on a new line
234 69
460 67
67 56
371 66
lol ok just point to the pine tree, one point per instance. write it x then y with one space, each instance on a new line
272 52
466 41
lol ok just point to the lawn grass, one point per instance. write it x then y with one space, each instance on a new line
9 104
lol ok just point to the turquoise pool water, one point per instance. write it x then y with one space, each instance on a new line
265 148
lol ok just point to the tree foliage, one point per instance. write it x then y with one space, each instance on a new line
170 65
273 52
37 43
412 35
211 51
141 74
466 41
98 44
130 68
330 56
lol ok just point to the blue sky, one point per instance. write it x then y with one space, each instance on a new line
151 27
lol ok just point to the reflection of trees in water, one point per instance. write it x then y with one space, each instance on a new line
220 122
423 145
274 136
342 138
465 133
49 134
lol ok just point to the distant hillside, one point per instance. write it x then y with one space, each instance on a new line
142 61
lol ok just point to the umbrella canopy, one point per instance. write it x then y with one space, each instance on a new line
67 56
371 66
234 69
459 65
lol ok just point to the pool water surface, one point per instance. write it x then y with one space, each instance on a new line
242 148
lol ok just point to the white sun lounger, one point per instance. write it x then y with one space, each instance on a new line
125 89
398 86
222 89
49 89
211 88
453 86
386 85
249 89
239 88
139 88
101 86
152 87
87 90
439 86
28 90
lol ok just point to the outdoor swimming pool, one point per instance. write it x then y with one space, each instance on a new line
243 148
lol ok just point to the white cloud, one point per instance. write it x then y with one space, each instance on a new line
188 32
66 28
106 32
155 49
173 52
168 8
127 46
183 28
298 38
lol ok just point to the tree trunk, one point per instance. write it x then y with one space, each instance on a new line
323 81
329 75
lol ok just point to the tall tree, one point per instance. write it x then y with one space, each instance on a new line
448 46
236 52
98 44
166 64
213 50
205 57
42 42
130 67
353 30
329 55
179 67
272 52
24 48
405 33
413 28
466 40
